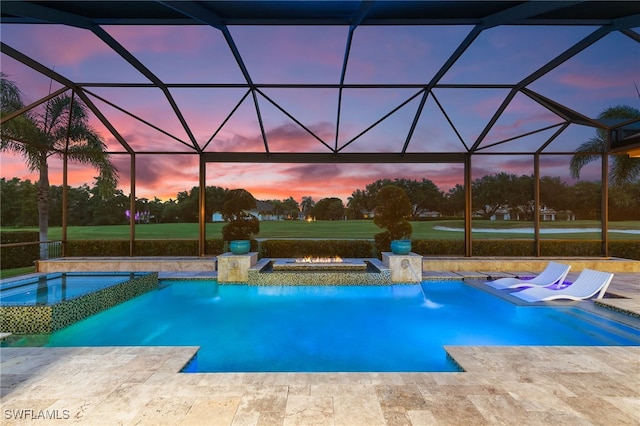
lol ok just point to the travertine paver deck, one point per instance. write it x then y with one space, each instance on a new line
500 385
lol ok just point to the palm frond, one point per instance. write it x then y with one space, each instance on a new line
624 169
585 155
10 95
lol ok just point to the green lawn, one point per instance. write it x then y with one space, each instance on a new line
356 229
7 273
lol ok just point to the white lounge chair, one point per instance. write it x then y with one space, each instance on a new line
554 273
588 283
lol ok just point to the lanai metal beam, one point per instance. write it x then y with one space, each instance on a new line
357 19
355 157
48 14
561 110
199 13
20 111
20 57
285 112
131 59
631 34
560 59
519 12
135 117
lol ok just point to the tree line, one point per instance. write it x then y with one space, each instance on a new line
500 192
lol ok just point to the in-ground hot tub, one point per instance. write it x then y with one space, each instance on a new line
47 302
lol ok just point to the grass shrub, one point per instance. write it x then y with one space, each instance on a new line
317 248
166 248
571 248
98 248
506 248
342 248
20 256
625 249
216 247
438 247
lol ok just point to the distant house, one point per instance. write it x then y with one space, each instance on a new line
372 213
429 214
501 214
548 215
262 210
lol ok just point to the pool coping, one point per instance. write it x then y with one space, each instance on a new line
500 385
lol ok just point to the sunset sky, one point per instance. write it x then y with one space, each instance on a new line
603 75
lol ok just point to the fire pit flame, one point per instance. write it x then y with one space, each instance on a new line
310 259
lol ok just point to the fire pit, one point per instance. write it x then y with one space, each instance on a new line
322 271
319 264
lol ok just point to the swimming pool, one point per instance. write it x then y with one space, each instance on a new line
332 328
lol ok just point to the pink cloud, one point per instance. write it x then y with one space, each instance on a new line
486 107
506 129
293 138
164 39
73 45
13 165
78 174
158 175
284 138
283 54
594 81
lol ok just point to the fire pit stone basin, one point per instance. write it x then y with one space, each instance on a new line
319 264
347 272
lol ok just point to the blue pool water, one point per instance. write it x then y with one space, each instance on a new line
334 328
54 288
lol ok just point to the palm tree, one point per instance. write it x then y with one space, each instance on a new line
59 128
307 206
623 168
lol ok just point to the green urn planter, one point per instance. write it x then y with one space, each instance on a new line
240 246
401 246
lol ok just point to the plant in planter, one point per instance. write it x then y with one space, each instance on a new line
393 208
242 225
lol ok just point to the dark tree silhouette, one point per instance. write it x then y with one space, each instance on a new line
393 208
242 225
60 128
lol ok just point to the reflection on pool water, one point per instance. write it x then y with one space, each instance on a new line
333 328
